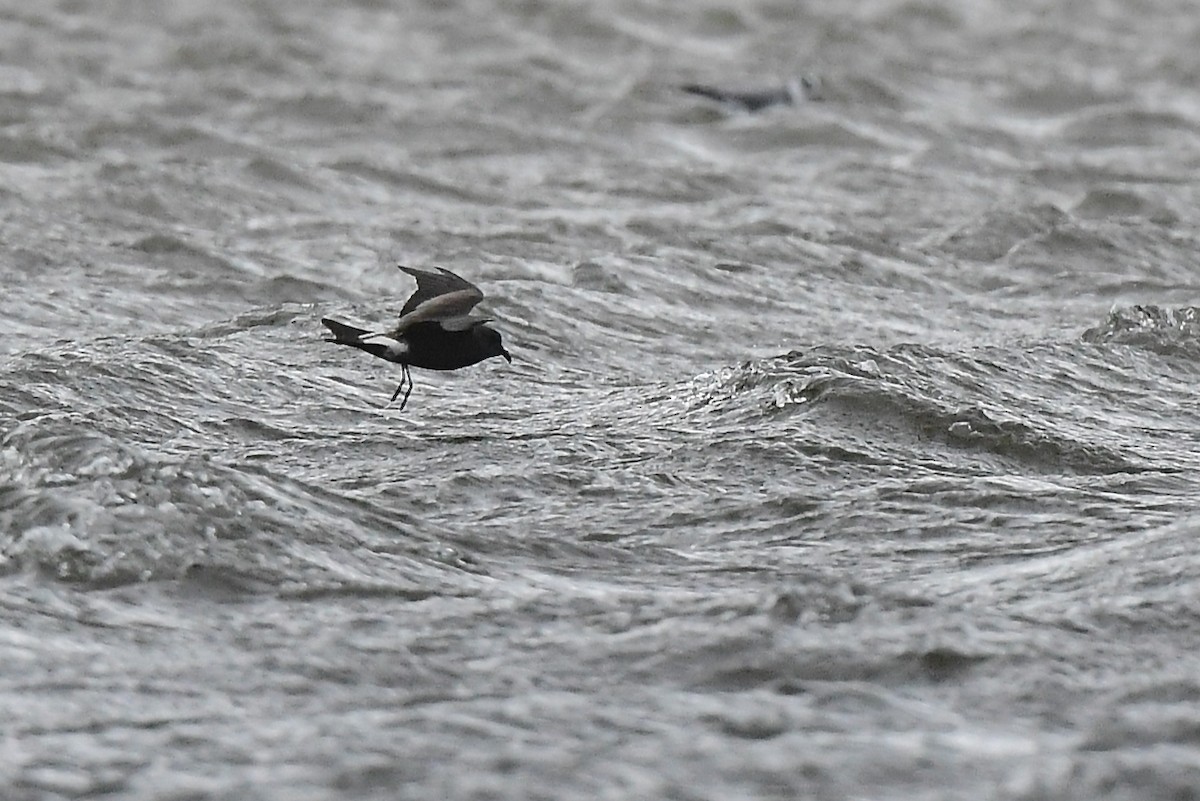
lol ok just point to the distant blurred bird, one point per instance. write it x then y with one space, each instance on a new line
435 331
757 100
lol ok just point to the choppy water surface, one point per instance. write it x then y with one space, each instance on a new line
849 448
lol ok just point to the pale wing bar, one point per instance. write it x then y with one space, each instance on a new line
431 285
442 307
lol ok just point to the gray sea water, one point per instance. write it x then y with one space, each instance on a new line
849 449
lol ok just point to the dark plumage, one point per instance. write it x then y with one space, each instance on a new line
435 331
757 100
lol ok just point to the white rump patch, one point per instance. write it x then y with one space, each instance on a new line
395 348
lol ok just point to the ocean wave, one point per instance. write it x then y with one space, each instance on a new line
84 507
1163 330
955 408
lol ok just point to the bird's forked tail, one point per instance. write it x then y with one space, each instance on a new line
342 333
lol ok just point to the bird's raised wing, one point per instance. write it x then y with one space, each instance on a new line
432 284
441 296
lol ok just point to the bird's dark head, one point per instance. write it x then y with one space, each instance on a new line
489 338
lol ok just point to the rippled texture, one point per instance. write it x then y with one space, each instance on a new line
848 449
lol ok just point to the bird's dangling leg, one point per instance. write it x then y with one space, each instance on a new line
405 377
408 391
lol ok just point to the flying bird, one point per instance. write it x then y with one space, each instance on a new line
758 99
436 330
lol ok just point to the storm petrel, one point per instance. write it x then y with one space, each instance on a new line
756 100
435 331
